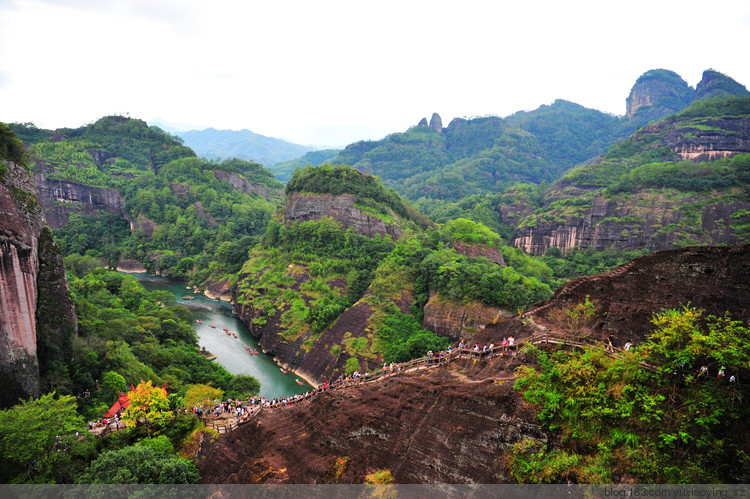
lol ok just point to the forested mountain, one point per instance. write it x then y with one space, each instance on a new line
244 144
682 180
283 171
121 190
342 281
438 168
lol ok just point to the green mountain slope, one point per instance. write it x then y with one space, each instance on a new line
283 171
682 180
244 144
134 192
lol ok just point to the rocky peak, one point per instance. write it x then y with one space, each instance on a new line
422 122
436 123
714 84
657 93
303 207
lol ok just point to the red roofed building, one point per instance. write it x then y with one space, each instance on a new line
122 403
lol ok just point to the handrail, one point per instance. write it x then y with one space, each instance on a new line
540 335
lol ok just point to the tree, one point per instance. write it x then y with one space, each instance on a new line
112 384
149 405
202 396
244 386
37 436
146 463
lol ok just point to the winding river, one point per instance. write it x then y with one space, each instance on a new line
230 351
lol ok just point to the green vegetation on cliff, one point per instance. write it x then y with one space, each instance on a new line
652 198
617 416
11 148
341 179
188 216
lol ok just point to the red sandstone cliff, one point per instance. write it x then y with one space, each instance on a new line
29 262
455 423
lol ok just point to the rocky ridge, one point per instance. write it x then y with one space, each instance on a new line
456 423
647 217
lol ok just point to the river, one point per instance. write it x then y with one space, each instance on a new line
230 351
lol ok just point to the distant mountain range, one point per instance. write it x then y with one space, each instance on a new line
244 144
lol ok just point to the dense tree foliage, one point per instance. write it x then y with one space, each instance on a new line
43 440
11 147
150 461
670 423
127 333
193 218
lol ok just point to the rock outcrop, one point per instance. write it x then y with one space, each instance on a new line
657 93
477 250
60 198
660 92
714 278
715 84
439 426
303 207
243 185
29 263
436 123
646 217
458 320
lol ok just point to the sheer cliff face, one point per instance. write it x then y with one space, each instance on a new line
646 217
21 223
22 272
304 207
60 198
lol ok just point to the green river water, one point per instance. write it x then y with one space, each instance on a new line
230 351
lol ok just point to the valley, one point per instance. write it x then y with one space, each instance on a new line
593 229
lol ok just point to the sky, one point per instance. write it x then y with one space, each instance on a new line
329 73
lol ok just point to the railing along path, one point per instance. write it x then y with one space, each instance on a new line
542 335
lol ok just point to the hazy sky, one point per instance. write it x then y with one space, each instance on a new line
332 72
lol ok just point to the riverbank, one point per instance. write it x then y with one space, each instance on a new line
230 348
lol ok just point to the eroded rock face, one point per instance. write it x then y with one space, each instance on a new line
439 426
657 93
714 278
21 223
60 198
305 207
243 185
458 320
